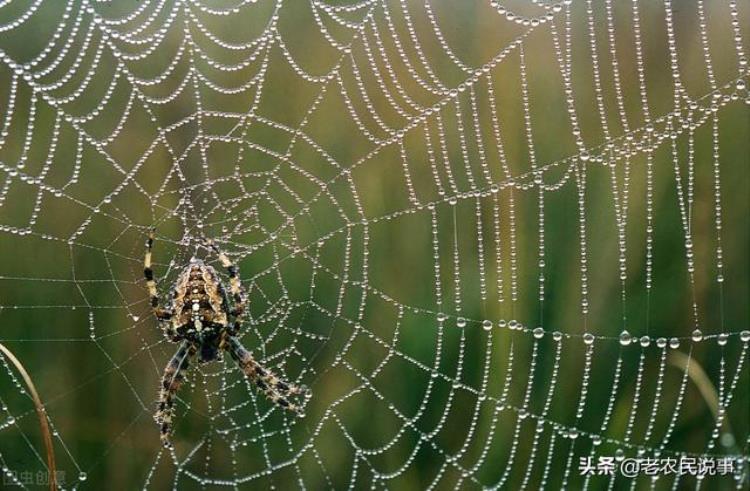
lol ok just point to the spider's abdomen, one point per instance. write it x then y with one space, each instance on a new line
199 302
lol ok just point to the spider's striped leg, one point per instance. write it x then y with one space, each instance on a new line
160 312
235 321
239 296
170 384
275 389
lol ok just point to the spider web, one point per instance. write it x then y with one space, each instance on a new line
493 238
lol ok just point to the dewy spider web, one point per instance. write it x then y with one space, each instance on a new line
493 238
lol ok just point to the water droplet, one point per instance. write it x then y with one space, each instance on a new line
619 455
727 440
722 339
596 440
661 342
674 343
82 476
461 322
745 336
625 338
645 341
697 335
487 324
538 332
588 338
557 336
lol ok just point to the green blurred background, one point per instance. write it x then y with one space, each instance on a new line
98 146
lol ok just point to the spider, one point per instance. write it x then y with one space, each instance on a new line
200 317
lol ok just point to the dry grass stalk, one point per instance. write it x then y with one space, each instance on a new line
46 435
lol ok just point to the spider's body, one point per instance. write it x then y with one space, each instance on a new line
200 308
200 316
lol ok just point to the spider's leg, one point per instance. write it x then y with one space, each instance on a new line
160 312
239 296
275 389
233 327
170 384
